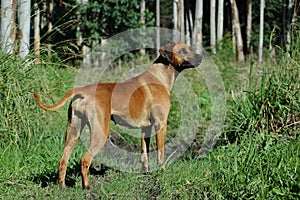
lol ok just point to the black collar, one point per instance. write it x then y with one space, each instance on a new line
162 60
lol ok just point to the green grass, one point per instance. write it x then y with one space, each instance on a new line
257 157
253 169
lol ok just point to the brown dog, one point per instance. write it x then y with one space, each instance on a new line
140 102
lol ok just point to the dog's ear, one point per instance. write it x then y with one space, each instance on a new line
167 51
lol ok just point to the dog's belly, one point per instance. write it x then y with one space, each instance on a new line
129 123
123 122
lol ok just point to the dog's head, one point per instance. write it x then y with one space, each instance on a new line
180 56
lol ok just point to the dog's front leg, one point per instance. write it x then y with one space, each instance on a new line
146 133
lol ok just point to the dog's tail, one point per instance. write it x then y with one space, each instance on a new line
56 106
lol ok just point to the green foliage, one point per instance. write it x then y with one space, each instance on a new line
98 20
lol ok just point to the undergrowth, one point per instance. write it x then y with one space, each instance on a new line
271 103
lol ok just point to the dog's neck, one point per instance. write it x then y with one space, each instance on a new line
169 71
167 63
162 60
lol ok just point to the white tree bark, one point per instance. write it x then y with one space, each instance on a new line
237 30
189 26
50 25
86 52
143 8
289 21
220 22
175 20
7 23
213 25
181 19
37 33
197 32
24 8
261 31
249 23
157 26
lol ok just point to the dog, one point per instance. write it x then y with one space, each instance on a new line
140 102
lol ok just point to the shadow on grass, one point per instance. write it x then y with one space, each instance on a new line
51 178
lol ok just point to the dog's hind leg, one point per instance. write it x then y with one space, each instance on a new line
75 126
146 133
99 127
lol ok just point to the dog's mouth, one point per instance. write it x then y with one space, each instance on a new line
193 62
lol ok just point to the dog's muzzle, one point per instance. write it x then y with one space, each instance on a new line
193 62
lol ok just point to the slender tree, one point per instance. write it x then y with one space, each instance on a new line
249 23
143 8
8 25
24 26
37 32
220 22
197 32
175 20
157 25
181 19
237 31
187 29
289 21
84 48
213 25
50 25
261 31
189 22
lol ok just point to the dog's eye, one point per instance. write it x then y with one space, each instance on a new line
183 51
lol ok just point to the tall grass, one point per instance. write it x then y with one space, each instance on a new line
271 103
27 133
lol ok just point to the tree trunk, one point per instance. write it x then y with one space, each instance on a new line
175 20
213 25
157 26
37 36
190 18
295 17
261 31
220 23
24 26
8 25
197 33
289 21
143 7
249 24
50 25
84 48
237 30
187 27
181 19
189 22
